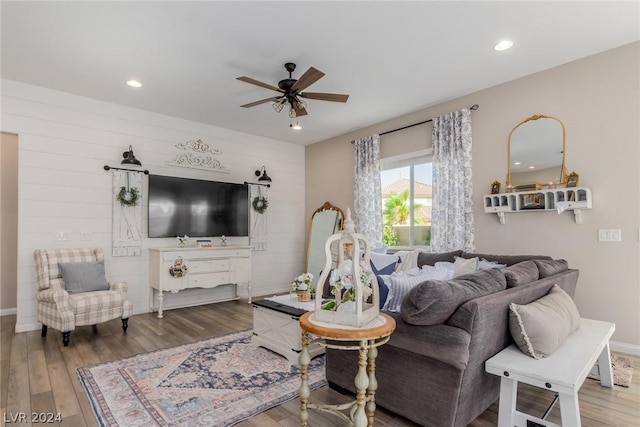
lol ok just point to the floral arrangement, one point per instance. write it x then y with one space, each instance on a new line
302 282
343 286
182 240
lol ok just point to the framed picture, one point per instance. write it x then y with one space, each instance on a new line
495 187
531 201
204 244
573 180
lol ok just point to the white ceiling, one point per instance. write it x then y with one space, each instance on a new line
393 58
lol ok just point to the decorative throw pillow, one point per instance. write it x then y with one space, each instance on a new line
464 266
400 283
483 264
383 289
434 301
550 267
383 263
81 277
540 327
521 273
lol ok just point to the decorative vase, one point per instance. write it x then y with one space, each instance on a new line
304 296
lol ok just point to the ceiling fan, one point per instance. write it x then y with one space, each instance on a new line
291 91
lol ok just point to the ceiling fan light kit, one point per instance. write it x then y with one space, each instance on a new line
291 92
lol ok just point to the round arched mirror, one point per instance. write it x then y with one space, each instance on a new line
536 153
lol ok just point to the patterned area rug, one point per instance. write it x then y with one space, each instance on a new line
216 382
622 370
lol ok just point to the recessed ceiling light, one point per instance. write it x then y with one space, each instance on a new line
517 163
532 167
503 45
134 83
295 127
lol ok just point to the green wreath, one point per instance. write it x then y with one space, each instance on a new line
128 197
260 204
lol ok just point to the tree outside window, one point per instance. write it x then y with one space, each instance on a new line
406 205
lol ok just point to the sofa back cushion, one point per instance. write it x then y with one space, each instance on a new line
434 301
548 268
428 258
521 273
504 259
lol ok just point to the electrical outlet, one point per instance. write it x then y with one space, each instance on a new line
86 235
61 236
609 235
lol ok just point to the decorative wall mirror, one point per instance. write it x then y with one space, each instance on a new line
325 221
536 153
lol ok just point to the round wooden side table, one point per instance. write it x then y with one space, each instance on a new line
365 340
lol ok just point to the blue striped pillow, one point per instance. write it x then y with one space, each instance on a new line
400 283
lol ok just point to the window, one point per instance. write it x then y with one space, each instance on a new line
406 200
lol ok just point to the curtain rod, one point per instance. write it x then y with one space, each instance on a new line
107 168
473 107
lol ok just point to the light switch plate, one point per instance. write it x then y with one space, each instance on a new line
609 235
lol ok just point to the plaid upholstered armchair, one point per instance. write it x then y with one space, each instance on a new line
73 291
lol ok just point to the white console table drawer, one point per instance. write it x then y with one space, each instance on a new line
208 265
208 280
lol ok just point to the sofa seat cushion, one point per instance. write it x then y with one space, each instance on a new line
447 344
521 273
96 301
434 301
540 327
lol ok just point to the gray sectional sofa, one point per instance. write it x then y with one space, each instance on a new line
432 370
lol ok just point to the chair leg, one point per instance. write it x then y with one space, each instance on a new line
94 328
44 331
125 324
65 338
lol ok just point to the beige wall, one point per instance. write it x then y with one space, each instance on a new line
598 100
8 219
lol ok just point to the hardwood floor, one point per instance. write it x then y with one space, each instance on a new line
39 374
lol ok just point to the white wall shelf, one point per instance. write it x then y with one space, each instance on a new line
558 200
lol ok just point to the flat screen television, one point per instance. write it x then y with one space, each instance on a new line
197 208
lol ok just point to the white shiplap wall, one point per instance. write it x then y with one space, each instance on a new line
64 142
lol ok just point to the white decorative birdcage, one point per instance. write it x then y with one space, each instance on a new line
355 298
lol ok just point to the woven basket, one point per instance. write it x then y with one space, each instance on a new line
304 296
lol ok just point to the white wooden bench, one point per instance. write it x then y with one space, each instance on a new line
563 371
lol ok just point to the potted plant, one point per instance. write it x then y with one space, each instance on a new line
303 287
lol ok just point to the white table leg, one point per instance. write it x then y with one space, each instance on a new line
570 410
373 383
604 366
508 399
305 392
362 383
160 300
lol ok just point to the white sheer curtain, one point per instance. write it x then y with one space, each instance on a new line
368 203
452 214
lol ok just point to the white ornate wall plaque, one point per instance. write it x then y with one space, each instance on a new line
127 213
201 158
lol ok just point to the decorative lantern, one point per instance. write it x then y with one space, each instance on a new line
355 297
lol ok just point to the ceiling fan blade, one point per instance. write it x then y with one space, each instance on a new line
258 83
299 109
309 77
335 97
262 101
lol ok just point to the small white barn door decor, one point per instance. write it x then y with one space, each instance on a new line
258 216
127 213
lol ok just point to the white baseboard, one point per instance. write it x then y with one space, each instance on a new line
8 311
623 347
